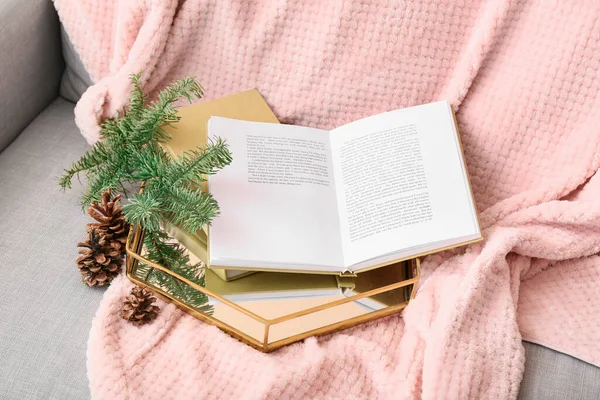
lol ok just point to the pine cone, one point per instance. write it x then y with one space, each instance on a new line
111 222
138 308
100 260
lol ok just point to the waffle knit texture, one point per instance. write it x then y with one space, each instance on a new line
523 78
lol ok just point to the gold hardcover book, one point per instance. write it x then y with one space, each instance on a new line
261 285
191 132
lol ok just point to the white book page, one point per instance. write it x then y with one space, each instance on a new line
401 184
277 198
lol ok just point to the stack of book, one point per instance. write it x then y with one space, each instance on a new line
310 212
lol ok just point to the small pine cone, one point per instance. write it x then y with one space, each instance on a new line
111 221
99 261
138 308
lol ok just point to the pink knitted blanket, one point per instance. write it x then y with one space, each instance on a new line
523 77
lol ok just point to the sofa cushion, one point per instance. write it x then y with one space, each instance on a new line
46 312
30 63
551 375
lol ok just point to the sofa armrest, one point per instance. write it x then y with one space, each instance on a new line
31 63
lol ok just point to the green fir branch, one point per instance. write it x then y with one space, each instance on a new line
196 163
161 251
138 99
191 209
97 156
129 154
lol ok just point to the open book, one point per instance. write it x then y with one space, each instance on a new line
375 191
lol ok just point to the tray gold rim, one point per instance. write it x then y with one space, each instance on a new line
133 249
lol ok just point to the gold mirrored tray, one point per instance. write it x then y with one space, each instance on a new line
268 310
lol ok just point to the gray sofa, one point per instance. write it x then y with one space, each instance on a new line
46 312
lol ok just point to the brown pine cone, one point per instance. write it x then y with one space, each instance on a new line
111 221
138 308
100 260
